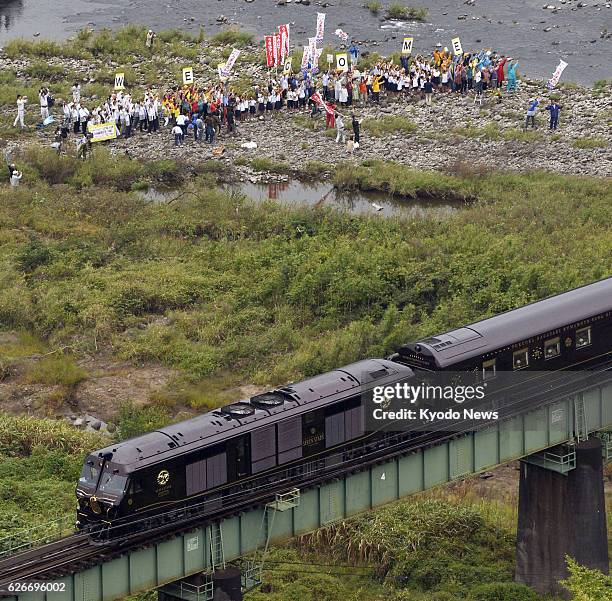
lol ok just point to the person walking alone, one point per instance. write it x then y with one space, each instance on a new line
340 133
356 130
21 102
43 96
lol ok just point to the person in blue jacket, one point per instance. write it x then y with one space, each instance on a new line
531 111
554 109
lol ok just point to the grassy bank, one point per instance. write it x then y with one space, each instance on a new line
217 287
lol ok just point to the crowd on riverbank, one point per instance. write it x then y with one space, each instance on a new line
204 112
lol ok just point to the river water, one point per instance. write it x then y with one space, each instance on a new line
313 194
538 37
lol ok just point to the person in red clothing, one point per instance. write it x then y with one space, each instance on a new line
500 72
330 119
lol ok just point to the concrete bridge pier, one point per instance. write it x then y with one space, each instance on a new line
561 512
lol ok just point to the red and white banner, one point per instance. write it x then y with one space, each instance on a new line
283 31
554 80
342 34
229 65
270 50
320 27
305 57
277 47
316 98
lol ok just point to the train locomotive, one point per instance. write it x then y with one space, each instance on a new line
316 428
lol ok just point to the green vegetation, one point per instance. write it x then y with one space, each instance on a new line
269 166
389 124
587 585
232 37
40 461
373 6
400 12
589 143
212 283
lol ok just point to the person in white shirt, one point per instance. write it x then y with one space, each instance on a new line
84 118
15 178
21 102
43 96
76 93
178 135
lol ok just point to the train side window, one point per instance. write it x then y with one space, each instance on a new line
552 348
489 369
583 337
135 486
520 359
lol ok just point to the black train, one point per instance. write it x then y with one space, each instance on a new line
313 427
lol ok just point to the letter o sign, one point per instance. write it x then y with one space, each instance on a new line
342 62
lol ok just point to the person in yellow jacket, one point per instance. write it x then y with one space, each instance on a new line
376 88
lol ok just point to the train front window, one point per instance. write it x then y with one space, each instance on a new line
112 483
89 475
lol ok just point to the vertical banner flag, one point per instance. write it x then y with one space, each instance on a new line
407 46
270 50
342 62
187 75
320 27
554 80
457 49
120 81
287 67
330 59
277 49
312 44
231 60
305 58
283 31
223 75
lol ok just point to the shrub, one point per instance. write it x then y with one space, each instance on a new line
386 125
50 166
374 6
400 12
589 143
57 370
135 420
33 255
264 164
503 591
232 37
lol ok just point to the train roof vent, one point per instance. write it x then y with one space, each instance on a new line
267 400
238 410
379 373
431 340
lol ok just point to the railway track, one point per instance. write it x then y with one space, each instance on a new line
78 551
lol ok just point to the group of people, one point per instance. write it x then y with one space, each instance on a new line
201 112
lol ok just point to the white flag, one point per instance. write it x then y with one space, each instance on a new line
554 80
342 34
229 65
320 27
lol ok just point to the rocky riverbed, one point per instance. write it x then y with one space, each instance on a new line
455 130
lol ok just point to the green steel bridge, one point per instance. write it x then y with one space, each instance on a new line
545 437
